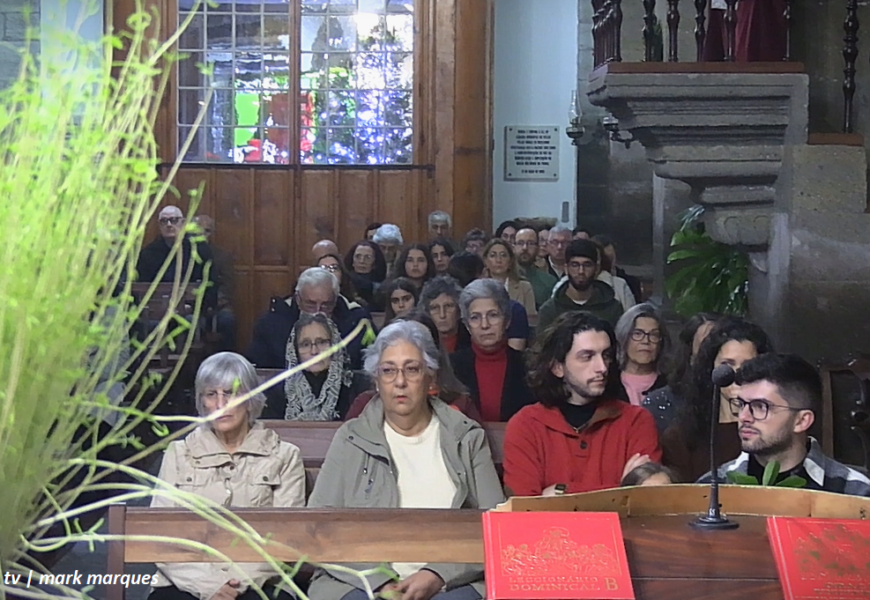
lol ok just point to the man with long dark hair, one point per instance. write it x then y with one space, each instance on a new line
580 435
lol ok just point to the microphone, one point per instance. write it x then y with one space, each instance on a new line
722 376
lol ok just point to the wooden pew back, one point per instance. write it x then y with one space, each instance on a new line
662 550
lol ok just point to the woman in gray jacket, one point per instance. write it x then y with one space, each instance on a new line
406 450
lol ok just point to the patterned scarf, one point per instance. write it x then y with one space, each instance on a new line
301 402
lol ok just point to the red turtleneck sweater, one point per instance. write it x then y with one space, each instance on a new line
448 341
490 367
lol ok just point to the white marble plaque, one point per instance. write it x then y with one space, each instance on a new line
531 153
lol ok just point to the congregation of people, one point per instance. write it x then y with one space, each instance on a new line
537 327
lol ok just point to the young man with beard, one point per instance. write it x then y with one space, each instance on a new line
579 436
779 396
580 291
526 248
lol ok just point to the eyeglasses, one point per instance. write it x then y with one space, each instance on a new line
492 317
412 371
319 343
639 335
312 308
758 408
331 268
170 220
560 243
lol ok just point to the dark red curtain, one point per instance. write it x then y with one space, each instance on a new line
760 35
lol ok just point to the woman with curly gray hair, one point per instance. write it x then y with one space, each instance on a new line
234 461
407 449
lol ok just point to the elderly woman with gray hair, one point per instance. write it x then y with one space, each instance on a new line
406 450
643 349
493 372
234 461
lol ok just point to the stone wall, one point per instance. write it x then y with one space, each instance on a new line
614 184
14 17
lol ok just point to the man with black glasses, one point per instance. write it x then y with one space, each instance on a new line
779 397
172 223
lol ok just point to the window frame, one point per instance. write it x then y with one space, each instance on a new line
422 128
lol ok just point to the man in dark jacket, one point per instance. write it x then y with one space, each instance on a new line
316 292
581 291
171 221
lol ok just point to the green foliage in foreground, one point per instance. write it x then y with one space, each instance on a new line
712 276
78 185
771 472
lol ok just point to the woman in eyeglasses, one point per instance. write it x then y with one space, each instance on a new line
643 347
407 449
323 391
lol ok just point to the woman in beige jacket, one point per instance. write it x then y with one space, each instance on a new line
236 462
501 265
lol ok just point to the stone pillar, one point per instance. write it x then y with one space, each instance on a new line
718 139
670 198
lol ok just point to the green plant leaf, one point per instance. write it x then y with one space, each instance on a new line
771 472
682 255
793 481
740 478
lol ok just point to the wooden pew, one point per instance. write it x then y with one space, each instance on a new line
668 559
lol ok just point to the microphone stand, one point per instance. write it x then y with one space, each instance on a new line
714 519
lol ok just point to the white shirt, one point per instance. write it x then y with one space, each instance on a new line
620 289
424 481
718 5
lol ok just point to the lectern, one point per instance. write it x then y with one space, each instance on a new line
669 560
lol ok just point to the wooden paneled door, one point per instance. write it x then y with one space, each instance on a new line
269 216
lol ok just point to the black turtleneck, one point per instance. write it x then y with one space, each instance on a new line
577 415
316 380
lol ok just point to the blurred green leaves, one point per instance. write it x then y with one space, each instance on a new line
710 276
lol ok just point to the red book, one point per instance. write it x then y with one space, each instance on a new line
821 558
555 556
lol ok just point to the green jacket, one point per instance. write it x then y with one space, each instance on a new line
602 304
542 284
358 472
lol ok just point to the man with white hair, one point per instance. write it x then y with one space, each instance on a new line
389 238
316 292
440 225
153 256
560 237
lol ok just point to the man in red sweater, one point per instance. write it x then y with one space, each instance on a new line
579 436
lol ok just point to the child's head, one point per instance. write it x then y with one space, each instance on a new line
649 474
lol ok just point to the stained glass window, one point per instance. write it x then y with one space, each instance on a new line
354 81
